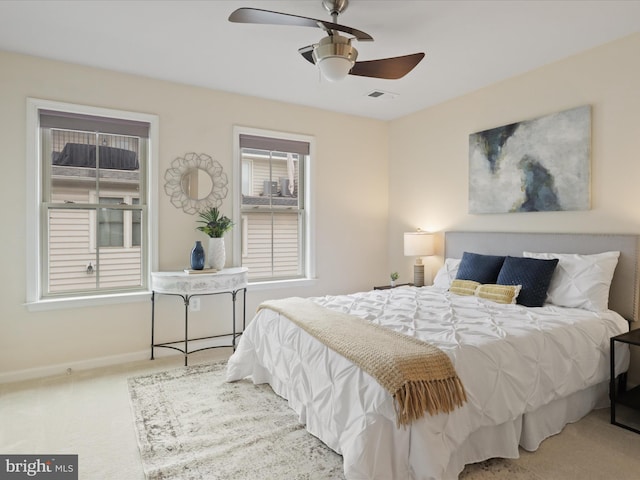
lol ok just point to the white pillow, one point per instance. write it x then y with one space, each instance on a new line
447 273
580 281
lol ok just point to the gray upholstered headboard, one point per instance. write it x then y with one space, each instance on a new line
623 296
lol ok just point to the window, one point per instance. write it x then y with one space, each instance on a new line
273 220
91 197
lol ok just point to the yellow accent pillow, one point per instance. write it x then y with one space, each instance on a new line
463 287
499 293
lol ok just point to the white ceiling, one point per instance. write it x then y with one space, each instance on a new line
469 44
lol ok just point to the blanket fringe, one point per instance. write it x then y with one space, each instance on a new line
414 398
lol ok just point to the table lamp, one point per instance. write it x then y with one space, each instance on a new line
418 244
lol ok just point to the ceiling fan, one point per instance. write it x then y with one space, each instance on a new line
334 55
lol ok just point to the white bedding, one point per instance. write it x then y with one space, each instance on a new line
513 361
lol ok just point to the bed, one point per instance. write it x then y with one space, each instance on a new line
527 371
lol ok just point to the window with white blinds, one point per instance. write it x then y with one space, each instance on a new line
273 223
93 203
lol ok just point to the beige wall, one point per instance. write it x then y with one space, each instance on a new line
350 191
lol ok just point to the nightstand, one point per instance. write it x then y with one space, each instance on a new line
387 287
620 395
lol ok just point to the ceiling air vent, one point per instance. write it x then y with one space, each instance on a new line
382 94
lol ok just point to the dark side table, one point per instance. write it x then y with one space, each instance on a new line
387 287
619 394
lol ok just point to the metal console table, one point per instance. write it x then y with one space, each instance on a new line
228 281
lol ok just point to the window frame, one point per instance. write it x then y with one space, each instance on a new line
35 229
309 275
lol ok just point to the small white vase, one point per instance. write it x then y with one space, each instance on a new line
216 255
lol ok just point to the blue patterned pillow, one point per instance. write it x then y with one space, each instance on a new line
479 268
533 274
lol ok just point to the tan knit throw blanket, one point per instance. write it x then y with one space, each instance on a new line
419 376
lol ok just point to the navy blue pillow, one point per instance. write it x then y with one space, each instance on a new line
479 268
534 274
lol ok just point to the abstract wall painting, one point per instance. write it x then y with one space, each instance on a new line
536 165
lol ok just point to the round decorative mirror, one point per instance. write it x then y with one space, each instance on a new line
196 182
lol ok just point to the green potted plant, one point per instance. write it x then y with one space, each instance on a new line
215 225
394 276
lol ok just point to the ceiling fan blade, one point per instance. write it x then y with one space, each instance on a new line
307 53
256 15
389 68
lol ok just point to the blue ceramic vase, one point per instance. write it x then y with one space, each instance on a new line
197 256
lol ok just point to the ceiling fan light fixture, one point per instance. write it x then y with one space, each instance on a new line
335 69
335 57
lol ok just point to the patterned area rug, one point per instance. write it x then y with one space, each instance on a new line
192 425
497 469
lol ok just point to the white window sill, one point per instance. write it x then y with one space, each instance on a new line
89 301
275 284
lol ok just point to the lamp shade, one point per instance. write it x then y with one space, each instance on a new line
418 244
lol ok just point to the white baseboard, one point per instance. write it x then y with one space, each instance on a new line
65 368
91 363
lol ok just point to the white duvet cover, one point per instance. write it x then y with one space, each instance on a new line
511 359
